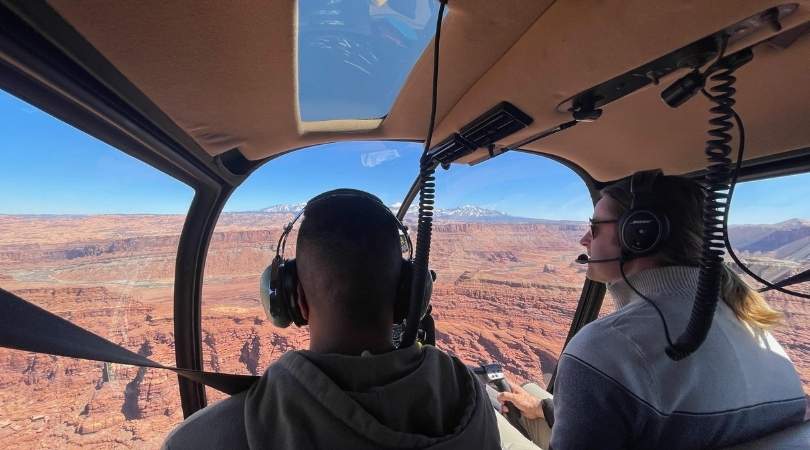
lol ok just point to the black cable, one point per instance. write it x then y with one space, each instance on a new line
735 176
715 212
658 310
731 252
427 196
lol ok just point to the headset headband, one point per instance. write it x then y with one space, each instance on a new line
346 193
641 188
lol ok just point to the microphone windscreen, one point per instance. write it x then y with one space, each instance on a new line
582 259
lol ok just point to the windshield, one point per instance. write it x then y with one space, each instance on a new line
505 237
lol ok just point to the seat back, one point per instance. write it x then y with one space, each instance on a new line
795 437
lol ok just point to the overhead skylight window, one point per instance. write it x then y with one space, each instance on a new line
354 55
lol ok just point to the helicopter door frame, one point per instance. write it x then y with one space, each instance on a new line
98 100
45 62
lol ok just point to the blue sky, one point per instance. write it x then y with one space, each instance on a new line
51 168
771 201
520 184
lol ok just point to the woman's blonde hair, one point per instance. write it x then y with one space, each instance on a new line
681 199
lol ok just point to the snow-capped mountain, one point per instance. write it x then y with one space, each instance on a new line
290 208
462 212
413 209
471 211
466 213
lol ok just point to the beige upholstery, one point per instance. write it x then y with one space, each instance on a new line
511 438
538 429
225 72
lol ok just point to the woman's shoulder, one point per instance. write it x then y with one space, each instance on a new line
611 359
614 344
623 329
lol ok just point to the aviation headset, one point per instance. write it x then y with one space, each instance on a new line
642 229
279 281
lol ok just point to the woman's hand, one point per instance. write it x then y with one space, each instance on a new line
528 404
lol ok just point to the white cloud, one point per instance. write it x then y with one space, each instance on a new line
371 159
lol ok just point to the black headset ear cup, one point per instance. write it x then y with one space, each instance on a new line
289 285
271 295
402 305
641 231
279 293
403 291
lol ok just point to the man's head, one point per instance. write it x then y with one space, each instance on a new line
349 260
680 199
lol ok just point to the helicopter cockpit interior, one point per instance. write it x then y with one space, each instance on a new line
157 153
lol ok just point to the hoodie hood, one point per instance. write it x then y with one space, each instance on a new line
418 397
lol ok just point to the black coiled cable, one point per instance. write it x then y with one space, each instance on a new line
427 198
715 214
731 252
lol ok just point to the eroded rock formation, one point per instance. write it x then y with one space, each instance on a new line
505 293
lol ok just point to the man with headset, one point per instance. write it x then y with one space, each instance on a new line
352 389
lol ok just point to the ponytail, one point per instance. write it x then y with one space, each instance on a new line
748 305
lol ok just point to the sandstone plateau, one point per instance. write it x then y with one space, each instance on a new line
506 293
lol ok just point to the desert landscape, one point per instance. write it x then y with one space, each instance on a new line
506 292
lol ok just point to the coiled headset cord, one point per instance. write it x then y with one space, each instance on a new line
720 179
427 197
719 191
715 211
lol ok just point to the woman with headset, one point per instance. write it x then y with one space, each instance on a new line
615 386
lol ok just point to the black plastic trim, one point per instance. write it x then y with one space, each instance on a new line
42 73
236 164
691 56
500 121
192 251
38 41
792 162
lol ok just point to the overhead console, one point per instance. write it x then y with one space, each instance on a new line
692 56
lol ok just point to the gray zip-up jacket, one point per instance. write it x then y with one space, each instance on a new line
417 397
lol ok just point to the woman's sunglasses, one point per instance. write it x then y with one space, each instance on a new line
594 223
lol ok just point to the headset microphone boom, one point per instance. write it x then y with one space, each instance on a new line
585 259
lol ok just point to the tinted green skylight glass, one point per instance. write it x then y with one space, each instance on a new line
354 55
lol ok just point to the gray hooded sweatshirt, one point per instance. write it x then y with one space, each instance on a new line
418 397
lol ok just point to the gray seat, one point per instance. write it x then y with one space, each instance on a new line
795 437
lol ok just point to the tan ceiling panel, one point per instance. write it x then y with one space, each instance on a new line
225 72
577 45
642 132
